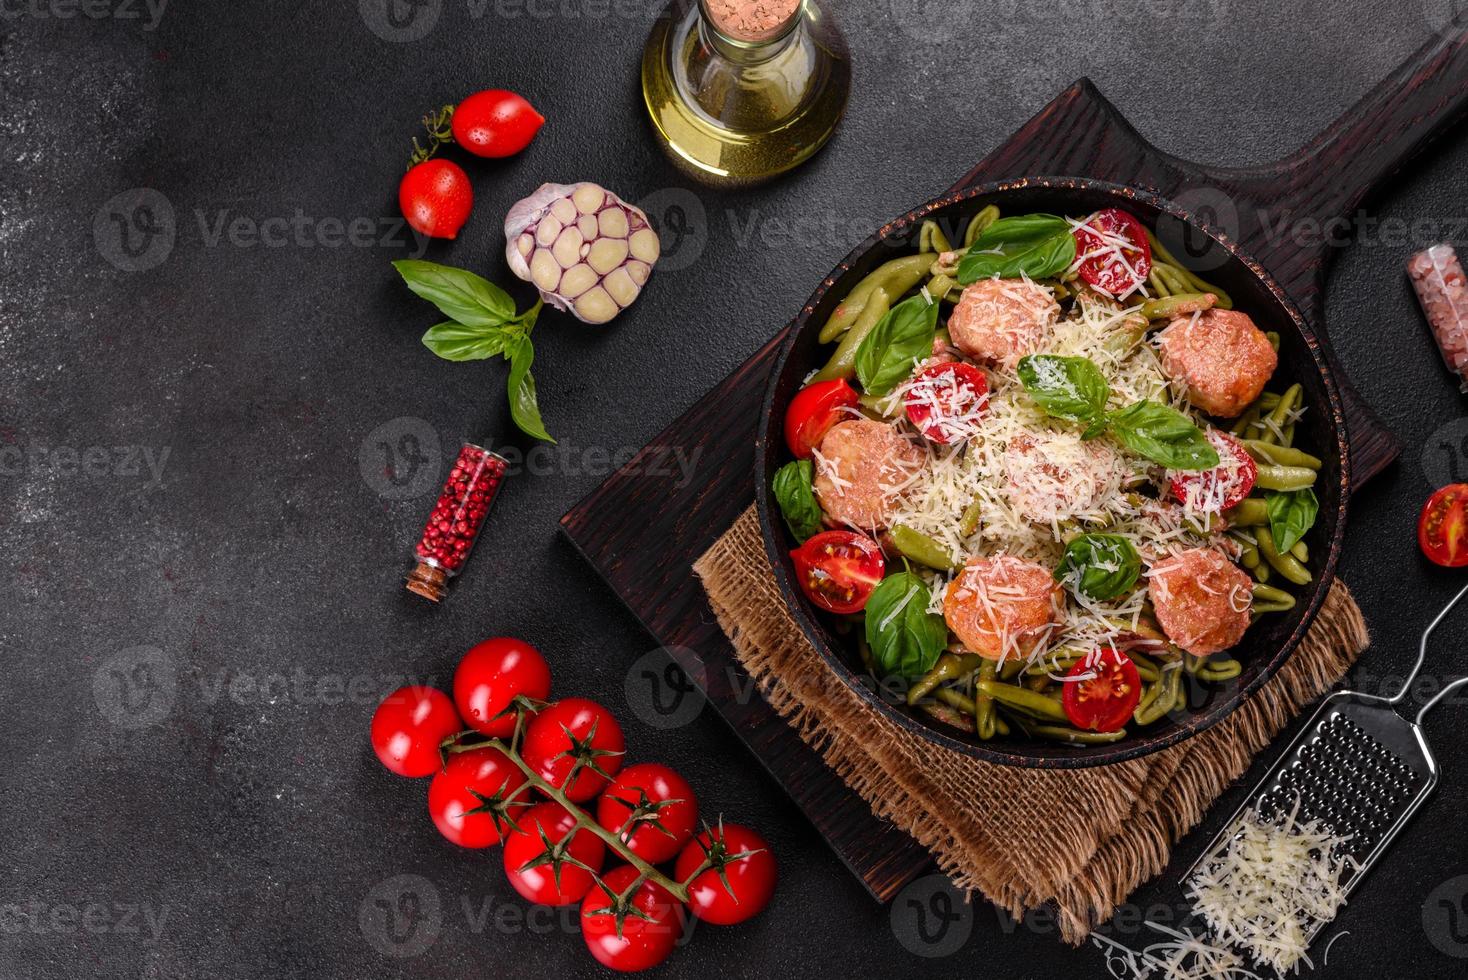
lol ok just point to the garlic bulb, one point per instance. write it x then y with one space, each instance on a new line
586 250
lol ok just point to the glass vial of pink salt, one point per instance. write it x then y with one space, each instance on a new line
457 518
1437 277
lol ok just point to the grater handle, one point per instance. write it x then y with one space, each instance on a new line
1449 689
1422 656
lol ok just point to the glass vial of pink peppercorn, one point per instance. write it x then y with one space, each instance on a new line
462 506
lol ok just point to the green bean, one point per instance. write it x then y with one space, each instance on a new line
1301 551
1162 256
979 224
1065 733
1158 286
1285 564
968 525
1129 336
883 408
1267 400
1273 339
843 362
940 286
1248 553
1168 691
945 714
1268 452
1147 669
1036 682
1279 415
1220 670
1191 663
1167 307
1011 668
894 277
984 714
1269 599
1273 477
950 667
956 701
932 239
1261 572
1031 703
1246 421
922 549
1177 284
1250 510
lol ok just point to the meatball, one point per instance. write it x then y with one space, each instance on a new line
1220 357
1003 606
1056 475
1002 320
1202 600
862 468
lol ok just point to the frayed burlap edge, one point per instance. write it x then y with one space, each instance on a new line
1082 839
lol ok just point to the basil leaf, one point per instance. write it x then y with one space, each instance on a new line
792 487
524 408
1101 566
1036 245
905 334
461 295
1066 387
905 638
1291 514
1164 435
456 342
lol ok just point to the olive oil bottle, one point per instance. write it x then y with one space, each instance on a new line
740 91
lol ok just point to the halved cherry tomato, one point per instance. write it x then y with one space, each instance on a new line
1218 489
837 570
945 400
1106 699
1442 531
813 410
1115 255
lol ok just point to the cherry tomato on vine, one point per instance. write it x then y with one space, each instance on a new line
495 123
1442 530
436 197
636 943
837 570
813 410
747 863
408 727
663 805
491 675
532 868
1114 252
571 729
1222 487
945 400
471 782
1104 702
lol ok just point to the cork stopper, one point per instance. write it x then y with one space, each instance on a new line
752 21
429 582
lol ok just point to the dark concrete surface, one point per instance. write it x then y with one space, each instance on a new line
199 553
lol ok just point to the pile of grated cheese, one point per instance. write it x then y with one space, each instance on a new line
1038 483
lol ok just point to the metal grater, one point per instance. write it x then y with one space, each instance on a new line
1358 766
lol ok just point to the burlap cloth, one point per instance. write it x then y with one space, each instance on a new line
1080 839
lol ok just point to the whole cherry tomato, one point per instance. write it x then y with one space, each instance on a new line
1115 255
1224 486
495 123
837 570
813 410
1442 530
1105 700
491 675
550 876
460 796
660 805
436 197
945 400
648 929
409 726
572 729
746 862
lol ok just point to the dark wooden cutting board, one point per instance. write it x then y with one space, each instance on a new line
643 533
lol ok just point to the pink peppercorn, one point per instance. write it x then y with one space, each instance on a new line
1442 290
456 519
